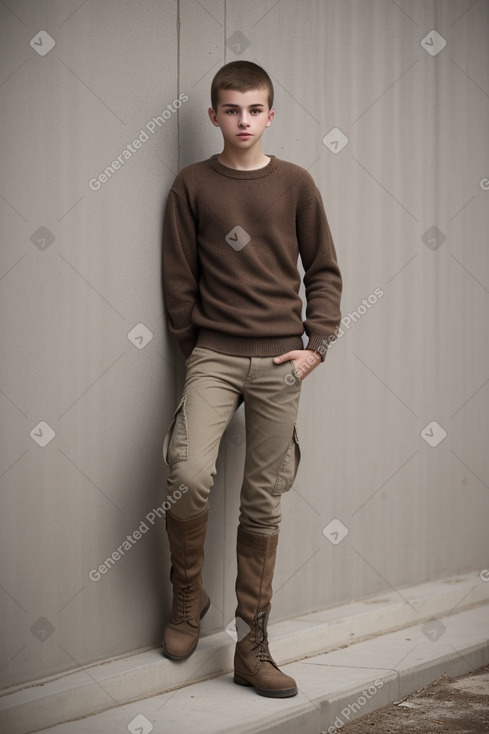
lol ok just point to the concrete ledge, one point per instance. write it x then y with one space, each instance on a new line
116 683
334 688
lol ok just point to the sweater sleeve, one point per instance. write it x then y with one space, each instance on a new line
322 278
180 270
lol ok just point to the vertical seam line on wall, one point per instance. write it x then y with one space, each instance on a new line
178 82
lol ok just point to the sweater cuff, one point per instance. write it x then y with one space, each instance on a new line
318 344
187 346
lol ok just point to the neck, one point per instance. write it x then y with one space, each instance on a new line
243 160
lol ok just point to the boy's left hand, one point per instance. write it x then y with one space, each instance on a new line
305 360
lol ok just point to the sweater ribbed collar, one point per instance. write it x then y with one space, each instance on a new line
235 173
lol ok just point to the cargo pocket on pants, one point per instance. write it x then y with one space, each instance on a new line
289 466
175 445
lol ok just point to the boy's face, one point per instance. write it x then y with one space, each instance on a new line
242 117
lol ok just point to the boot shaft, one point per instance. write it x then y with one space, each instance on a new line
186 538
256 556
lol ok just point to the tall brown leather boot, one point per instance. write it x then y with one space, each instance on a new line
190 600
253 664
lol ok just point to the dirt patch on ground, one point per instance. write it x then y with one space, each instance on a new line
459 705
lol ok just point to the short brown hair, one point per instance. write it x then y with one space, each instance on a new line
242 76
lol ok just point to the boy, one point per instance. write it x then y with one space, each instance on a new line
235 225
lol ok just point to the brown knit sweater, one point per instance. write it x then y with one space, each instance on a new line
230 252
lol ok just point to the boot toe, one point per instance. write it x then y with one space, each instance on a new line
268 680
284 689
178 645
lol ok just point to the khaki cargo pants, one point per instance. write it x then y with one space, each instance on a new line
215 385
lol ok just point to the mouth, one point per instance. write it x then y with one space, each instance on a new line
244 135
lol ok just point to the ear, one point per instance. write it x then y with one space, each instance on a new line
271 115
213 117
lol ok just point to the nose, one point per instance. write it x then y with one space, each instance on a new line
243 120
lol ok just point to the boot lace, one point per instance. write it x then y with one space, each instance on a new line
260 645
182 603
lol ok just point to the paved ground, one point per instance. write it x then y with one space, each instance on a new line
370 673
459 705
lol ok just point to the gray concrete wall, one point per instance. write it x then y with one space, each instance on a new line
89 376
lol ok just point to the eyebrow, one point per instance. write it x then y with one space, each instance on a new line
258 104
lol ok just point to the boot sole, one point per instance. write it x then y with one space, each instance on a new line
280 693
184 657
